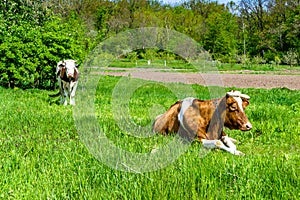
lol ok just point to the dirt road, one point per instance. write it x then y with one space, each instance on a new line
226 80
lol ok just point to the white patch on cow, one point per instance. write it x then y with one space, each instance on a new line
228 142
240 103
234 93
71 67
187 102
218 144
237 95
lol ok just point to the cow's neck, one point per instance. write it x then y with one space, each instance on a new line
216 124
66 79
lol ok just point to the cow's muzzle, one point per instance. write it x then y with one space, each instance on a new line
247 127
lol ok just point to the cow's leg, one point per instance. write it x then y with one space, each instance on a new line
63 97
228 142
62 90
213 144
73 87
233 140
65 94
64 100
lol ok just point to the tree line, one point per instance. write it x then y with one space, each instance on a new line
36 34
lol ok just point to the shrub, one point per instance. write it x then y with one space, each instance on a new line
290 57
269 56
277 60
31 44
258 60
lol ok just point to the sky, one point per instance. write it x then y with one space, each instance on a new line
179 1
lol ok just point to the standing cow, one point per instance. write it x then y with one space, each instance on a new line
205 119
67 75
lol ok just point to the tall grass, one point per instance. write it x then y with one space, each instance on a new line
42 157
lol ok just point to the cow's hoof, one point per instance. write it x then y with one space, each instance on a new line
238 153
234 140
72 102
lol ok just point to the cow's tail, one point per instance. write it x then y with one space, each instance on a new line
55 95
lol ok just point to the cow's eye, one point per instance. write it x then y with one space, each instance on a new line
233 107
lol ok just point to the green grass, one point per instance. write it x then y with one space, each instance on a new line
181 66
41 158
257 68
159 64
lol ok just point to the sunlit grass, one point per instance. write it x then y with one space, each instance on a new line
42 156
182 66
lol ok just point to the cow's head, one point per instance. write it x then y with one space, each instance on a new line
236 118
68 68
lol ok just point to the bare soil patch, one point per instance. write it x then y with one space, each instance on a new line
246 80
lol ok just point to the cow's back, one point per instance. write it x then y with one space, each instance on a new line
168 122
196 118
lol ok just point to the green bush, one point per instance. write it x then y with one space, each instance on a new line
31 44
290 57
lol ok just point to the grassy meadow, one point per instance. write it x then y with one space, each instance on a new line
183 66
42 156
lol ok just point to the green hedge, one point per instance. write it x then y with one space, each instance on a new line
32 41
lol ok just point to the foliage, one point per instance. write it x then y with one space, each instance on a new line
290 57
43 159
265 29
258 60
271 26
221 28
32 41
35 35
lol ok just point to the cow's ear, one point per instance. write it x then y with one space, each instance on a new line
245 102
63 63
77 65
62 70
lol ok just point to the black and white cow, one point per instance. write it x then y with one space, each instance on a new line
67 75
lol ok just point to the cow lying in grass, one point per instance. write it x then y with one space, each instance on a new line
67 75
205 119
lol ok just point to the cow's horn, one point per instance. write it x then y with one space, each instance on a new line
234 93
244 96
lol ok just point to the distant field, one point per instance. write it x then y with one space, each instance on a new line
182 66
42 157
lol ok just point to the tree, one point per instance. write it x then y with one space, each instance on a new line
254 14
220 38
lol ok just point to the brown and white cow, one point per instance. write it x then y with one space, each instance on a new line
206 119
67 75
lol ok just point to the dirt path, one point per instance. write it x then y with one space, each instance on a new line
227 80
